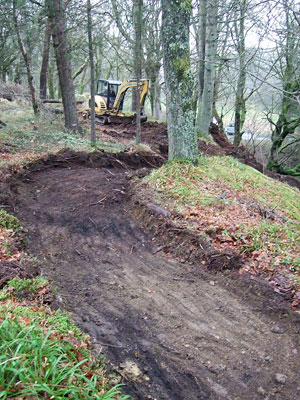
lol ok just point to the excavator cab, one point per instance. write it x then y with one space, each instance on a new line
108 90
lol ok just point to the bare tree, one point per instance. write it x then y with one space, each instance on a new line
27 62
240 103
208 80
92 71
288 121
138 4
45 60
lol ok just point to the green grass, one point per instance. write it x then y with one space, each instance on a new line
183 182
19 284
272 236
43 354
24 134
180 182
184 186
9 222
34 364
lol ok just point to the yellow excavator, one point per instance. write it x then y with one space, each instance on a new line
110 98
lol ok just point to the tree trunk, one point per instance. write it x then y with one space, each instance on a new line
286 123
133 99
240 103
152 70
138 4
209 67
202 10
56 14
288 120
17 76
92 71
45 61
50 78
26 59
157 100
82 82
4 75
179 79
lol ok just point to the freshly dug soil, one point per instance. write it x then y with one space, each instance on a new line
156 136
173 330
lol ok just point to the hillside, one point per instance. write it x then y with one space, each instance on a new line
178 272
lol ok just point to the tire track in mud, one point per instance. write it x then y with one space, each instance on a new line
192 338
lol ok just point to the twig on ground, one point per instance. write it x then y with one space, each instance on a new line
98 202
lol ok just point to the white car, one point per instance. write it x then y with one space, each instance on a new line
230 128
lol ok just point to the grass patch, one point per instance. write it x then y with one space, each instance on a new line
24 135
43 355
9 222
274 237
227 199
198 185
181 183
35 364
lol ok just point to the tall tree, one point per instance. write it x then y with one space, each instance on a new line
8 50
288 120
92 70
27 61
200 28
153 53
210 54
138 4
45 60
56 14
176 16
123 14
240 103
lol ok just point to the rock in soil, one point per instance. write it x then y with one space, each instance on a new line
280 378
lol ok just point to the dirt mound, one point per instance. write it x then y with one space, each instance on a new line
11 269
153 133
10 176
173 238
156 135
184 333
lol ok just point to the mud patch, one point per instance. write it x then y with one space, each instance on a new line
188 334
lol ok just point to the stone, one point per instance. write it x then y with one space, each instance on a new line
261 391
277 329
280 378
130 369
268 359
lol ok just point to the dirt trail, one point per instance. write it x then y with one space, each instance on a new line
193 338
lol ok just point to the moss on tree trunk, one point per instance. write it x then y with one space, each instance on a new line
179 79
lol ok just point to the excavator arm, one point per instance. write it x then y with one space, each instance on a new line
144 86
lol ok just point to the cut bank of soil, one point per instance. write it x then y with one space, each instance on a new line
155 134
193 335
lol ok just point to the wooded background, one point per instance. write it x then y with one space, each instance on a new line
206 60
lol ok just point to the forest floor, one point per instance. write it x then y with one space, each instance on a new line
170 325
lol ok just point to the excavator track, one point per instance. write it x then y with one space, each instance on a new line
114 119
